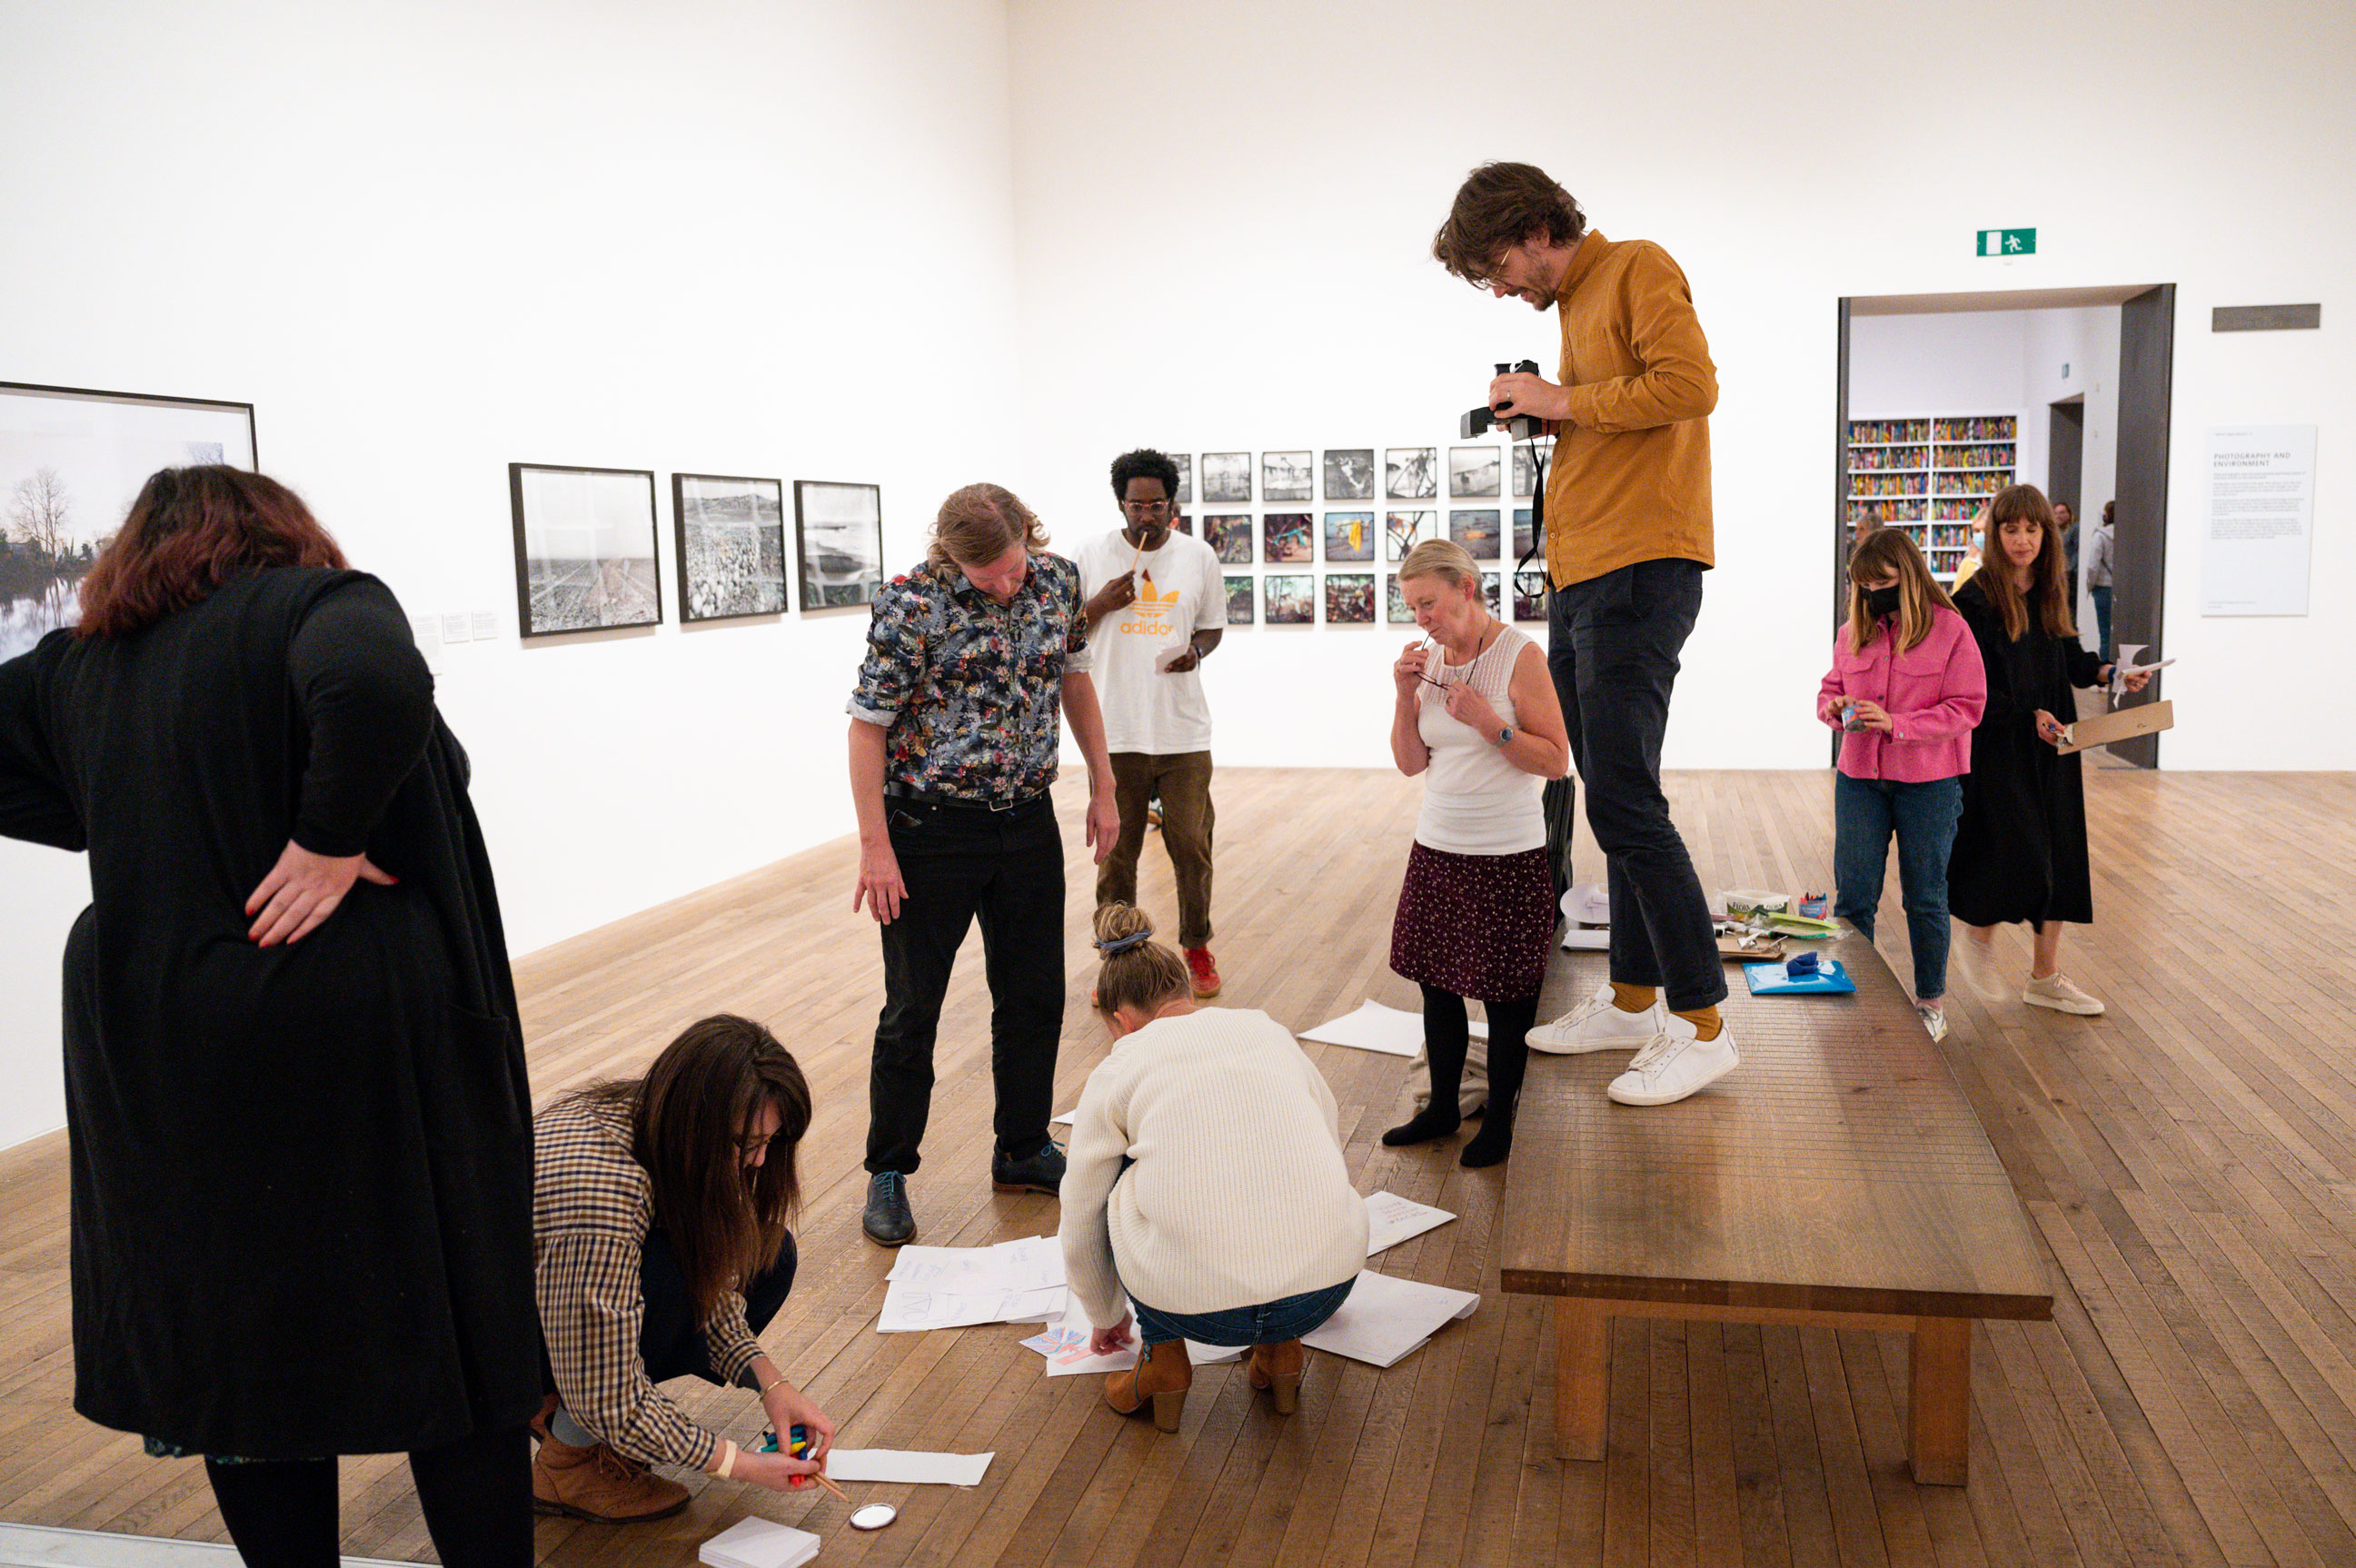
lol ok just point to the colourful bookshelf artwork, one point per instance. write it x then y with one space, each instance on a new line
1928 476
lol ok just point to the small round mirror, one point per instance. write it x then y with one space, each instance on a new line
874 1516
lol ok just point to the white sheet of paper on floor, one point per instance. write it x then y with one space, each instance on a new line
1065 1119
1373 1026
1027 1262
1387 1319
1064 1346
908 1465
1578 939
759 1543
912 1309
1391 1218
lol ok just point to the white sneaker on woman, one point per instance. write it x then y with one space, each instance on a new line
2056 992
1677 1064
1598 1023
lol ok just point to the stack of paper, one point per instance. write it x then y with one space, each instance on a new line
1064 1346
759 1543
1385 1319
1391 1218
953 1288
907 1465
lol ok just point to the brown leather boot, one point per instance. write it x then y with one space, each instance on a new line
599 1484
1277 1367
1163 1375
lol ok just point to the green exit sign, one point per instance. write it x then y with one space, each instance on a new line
2007 242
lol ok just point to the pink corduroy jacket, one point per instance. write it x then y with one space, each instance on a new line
1933 692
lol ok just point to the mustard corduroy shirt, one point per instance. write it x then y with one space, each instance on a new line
1629 479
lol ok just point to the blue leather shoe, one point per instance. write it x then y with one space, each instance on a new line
1041 1173
887 1219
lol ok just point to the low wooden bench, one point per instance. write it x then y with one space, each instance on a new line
1839 1179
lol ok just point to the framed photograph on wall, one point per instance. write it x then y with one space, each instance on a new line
1227 476
838 537
1185 463
1524 533
1476 530
1526 463
1230 535
1489 586
732 546
1183 524
1287 537
1287 477
1411 473
1350 474
1404 530
1472 471
1395 610
1289 599
585 539
1349 599
1530 595
1349 535
1241 611
71 462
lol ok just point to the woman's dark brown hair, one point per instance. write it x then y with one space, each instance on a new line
2048 574
1892 552
1501 206
191 531
690 1117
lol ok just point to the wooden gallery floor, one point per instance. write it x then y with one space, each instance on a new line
2189 1163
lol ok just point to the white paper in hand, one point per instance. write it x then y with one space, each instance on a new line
1385 1319
759 1543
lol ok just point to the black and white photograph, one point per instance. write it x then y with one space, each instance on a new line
1489 586
1526 465
1524 533
1404 530
1241 610
1349 535
1287 477
1472 471
1350 474
1185 462
1411 473
1349 599
1290 600
1530 594
585 556
1288 537
1227 476
1476 530
70 465
1395 610
1230 535
732 546
839 535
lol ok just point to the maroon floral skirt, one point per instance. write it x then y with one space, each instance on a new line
1479 925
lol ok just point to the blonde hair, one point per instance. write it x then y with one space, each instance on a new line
1142 975
977 523
1444 558
1894 552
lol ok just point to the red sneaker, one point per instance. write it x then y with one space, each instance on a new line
1205 973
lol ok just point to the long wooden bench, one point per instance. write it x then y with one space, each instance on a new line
1839 1179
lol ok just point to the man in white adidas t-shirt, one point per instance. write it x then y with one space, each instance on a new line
1156 606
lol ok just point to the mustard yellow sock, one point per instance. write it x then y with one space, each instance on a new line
1704 1020
1632 999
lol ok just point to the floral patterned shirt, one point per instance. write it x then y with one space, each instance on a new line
971 691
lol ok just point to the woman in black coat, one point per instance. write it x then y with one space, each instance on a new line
300 1129
2020 848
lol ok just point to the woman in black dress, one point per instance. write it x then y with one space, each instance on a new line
2020 848
294 1085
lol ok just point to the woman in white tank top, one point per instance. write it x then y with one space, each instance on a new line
1477 716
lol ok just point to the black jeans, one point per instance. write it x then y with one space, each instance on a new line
671 1335
1612 644
961 863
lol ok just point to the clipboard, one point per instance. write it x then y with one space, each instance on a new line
2119 724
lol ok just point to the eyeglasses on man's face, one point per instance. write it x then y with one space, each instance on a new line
1145 508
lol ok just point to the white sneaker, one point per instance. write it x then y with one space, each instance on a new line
1679 1063
1934 1020
2056 992
1598 1024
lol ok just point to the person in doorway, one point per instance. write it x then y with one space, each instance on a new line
659 1208
1157 607
1207 1183
2065 522
294 1085
1907 686
2098 582
1476 716
1628 537
2020 846
971 660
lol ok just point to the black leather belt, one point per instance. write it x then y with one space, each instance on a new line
927 797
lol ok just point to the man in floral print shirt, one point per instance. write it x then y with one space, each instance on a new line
953 743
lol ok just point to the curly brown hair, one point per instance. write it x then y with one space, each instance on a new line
1500 205
191 531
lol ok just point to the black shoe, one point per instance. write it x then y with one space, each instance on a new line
1437 1120
1041 1173
887 1219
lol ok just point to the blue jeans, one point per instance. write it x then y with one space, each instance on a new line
1865 812
1269 1323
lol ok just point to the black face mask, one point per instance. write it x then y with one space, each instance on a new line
1881 601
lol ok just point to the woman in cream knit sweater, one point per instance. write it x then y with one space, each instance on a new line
1190 1099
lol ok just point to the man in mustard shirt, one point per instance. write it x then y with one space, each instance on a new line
1627 539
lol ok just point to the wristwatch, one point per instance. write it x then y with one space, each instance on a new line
1503 736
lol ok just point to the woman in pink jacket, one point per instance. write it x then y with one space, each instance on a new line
1907 685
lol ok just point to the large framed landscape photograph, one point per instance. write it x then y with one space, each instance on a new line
71 462
584 549
732 546
839 535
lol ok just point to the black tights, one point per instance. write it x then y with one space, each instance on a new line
1446 1038
476 1494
